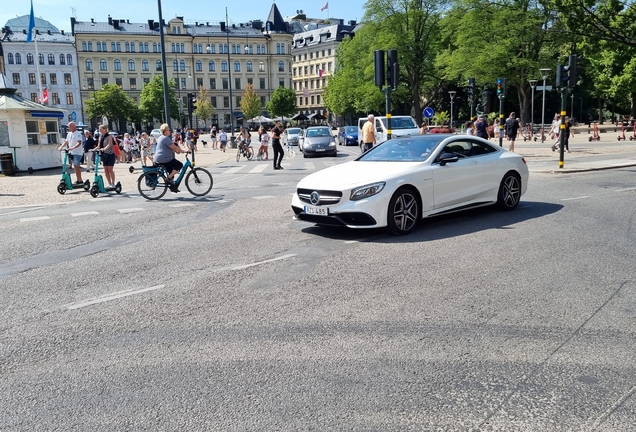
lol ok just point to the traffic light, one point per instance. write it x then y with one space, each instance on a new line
499 86
189 102
471 87
393 69
193 101
378 57
573 78
562 76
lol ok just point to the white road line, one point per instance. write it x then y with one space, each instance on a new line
262 197
112 297
329 163
224 201
259 168
36 218
181 205
100 199
310 166
285 164
22 211
233 170
365 239
87 213
626 189
232 180
577 198
244 266
130 210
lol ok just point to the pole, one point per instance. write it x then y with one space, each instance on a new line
452 96
37 66
229 70
387 108
501 119
166 89
178 91
572 106
543 112
564 92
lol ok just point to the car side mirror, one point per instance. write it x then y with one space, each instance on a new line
448 158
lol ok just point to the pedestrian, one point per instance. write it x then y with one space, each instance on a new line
146 148
512 126
469 128
495 128
368 133
107 144
278 148
481 128
223 139
263 138
134 144
213 138
423 129
567 132
89 156
75 150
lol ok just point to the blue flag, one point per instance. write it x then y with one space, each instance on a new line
31 25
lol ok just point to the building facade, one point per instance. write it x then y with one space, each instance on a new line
56 61
220 58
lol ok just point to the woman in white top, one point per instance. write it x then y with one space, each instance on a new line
469 128
263 137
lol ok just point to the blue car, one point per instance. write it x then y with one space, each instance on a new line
348 135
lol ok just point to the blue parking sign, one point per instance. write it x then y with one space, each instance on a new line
428 112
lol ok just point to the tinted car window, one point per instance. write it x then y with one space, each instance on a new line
459 148
351 129
293 131
402 150
318 132
481 148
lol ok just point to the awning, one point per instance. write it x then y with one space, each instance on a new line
47 114
238 114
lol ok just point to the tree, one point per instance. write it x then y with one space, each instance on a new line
282 103
112 102
151 103
251 103
204 110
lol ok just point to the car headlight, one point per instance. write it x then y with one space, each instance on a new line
332 143
307 144
366 191
349 137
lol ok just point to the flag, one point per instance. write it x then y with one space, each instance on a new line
45 96
320 73
326 6
31 25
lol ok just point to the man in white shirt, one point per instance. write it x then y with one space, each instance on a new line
75 150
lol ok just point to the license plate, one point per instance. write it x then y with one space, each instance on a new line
322 211
320 149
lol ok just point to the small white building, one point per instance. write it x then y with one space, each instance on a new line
28 131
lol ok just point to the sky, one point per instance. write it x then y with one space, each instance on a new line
59 12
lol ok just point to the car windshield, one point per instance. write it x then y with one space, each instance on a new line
318 132
351 129
293 131
400 123
416 149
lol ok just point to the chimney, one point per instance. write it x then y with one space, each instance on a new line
110 20
116 24
73 21
196 23
222 26
233 26
93 20
352 23
24 31
151 24
127 21
258 24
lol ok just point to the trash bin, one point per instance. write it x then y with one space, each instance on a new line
232 142
6 164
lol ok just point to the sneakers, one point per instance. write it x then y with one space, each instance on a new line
553 148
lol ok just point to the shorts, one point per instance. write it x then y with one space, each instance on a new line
146 153
77 159
511 137
108 159
173 165
223 143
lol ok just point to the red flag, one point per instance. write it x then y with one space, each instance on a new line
326 6
45 96
320 73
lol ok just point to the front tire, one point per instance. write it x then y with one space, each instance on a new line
238 155
403 212
509 192
61 188
199 182
250 153
95 191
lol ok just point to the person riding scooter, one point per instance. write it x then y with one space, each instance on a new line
107 143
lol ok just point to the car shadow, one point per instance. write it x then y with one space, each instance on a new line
445 226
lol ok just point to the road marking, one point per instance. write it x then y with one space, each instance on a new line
130 210
87 213
182 205
35 205
310 166
259 168
329 163
112 297
233 170
365 239
22 211
232 180
626 189
262 197
100 199
36 218
244 266
613 408
577 198
224 201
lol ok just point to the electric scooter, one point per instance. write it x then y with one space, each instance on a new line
66 183
622 136
98 182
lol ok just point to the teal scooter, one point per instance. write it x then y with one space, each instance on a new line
98 181
66 183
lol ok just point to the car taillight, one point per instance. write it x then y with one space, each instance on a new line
523 160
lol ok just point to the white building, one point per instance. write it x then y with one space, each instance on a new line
57 65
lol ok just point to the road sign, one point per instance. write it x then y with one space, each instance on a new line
73 116
540 88
428 112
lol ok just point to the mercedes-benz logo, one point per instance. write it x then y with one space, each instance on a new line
314 198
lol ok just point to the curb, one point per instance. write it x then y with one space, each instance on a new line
580 170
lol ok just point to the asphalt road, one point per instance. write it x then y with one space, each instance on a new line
225 314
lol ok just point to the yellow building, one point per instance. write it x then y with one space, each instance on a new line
223 59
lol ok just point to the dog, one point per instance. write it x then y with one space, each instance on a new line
205 143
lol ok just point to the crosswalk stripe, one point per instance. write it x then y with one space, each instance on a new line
329 163
310 166
262 197
87 213
130 210
181 205
234 170
102 199
285 164
258 168
36 218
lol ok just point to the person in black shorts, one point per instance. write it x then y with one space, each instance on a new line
278 148
512 126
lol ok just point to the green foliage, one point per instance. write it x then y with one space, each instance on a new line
204 110
251 103
282 103
441 118
151 103
112 102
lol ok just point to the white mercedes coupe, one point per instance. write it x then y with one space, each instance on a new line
403 180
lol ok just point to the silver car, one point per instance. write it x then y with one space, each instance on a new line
291 136
318 140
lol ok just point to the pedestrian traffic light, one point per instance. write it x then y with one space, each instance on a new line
393 69
189 102
471 87
378 57
193 101
573 78
499 84
562 77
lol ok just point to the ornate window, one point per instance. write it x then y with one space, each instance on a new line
199 66
237 66
29 58
211 66
281 66
223 66
144 65
103 66
131 65
41 59
89 64
249 66
175 65
51 58
182 65
18 58
69 59
117 65
10 58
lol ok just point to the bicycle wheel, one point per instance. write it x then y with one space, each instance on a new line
152 186
249 153
199 182
238 155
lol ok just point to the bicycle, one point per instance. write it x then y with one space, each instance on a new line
244 150
152 184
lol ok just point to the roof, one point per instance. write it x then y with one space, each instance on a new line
323 34
22 23
6 86
19 36
275 22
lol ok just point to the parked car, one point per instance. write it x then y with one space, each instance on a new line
400 126
156 133
403 180
317 140
291 136
347 135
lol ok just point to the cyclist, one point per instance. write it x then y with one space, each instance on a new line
166 149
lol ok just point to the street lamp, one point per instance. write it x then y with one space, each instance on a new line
166 97
452 96
544 75
533 84
229 71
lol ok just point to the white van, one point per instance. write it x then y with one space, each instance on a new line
400 126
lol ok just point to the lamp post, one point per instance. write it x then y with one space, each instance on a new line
533 84
452 96
229 71
544 75
166 97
